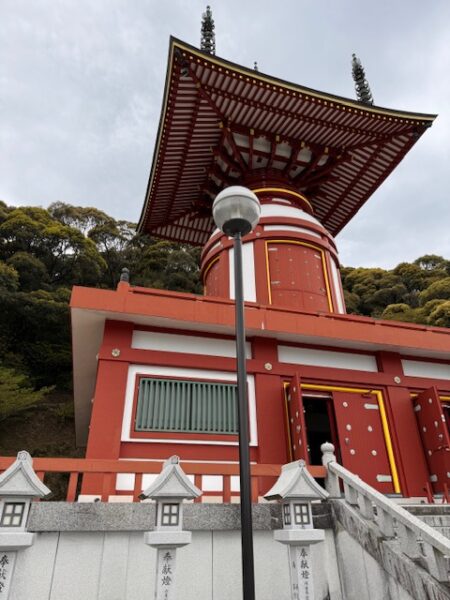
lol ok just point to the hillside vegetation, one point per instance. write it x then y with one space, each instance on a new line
43 253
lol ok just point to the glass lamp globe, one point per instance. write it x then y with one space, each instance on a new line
236 210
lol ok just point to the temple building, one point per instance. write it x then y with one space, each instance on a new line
154 371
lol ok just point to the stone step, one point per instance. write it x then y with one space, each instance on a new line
434 515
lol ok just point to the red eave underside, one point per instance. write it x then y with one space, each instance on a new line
212 109
199 313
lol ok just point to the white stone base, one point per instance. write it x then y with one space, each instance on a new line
297 537
15 540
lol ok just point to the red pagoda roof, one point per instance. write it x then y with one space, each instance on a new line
223 124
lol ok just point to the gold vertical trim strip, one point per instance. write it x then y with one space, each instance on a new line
269 290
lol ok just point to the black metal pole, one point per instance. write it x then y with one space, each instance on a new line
248 577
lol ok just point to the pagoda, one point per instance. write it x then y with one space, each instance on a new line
154 371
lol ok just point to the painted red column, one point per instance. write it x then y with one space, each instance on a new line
109 400
411 463
270 411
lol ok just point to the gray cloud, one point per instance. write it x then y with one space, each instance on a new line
81 84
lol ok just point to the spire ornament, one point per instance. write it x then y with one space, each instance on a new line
207 36
362 87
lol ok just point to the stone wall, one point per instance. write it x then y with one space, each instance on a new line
97 552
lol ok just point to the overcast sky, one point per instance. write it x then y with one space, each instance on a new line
81 84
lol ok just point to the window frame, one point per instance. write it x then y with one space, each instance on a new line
22 514
170 514
194 436
299 515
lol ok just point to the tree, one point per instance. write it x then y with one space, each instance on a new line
113 240
83 218
166 265
31 271
35 332
432 262
9 277
437 290
68 256
398 312
16 393
440 315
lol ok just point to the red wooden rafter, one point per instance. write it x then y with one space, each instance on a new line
257 104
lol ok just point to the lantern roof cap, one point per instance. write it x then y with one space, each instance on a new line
296 482
172 482
20 479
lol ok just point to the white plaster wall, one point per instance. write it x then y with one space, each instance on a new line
282 228
335 277
119 566
276 210
327 358
248 272
421 368
186 344
134 370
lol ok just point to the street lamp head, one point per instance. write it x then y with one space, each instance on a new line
236 210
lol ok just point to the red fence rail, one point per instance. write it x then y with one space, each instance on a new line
104 473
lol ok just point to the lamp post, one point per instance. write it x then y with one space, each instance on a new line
236 212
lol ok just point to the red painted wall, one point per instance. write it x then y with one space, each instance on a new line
107 411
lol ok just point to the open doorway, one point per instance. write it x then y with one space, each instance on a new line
320 426
310 421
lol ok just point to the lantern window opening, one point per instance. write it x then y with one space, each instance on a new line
12 514
287 514
301 514
170 514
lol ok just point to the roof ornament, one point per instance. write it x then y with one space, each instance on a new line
362 87
255 66
207 36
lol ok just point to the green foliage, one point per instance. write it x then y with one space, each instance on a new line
16 393
9 278
437 290
417 292
43 253
32 272
166 265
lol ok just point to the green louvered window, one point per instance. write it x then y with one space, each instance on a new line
186 406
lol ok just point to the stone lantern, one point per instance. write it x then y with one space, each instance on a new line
296 489
169 490
19 485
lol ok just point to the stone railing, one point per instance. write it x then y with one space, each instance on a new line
417 540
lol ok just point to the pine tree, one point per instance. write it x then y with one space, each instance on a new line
362 87
208 37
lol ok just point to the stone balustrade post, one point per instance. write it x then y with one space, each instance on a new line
331 480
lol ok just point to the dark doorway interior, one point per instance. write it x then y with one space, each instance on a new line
320 426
